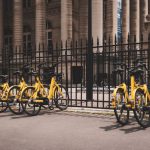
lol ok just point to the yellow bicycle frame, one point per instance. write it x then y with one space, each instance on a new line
22 85
129 99
5 87
144 88
38 86
53 86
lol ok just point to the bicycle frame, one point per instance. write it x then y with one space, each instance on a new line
22 85
4 96
146 92
122 86
50 96
129 99
38 87
53 86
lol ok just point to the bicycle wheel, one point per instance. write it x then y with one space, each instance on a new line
14 102
61 98
141 114
121 112
3 104
29 106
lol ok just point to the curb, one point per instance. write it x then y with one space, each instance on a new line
90 111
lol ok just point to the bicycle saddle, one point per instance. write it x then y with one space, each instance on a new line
17 72
34 73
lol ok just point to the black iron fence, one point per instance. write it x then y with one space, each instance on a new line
72 63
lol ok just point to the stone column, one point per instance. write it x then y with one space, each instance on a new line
40 24
135 19
143 14
1 27
97 21
143 20
83 19
66 20
17 23
111 21
125 20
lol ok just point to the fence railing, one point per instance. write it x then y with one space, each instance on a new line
72 58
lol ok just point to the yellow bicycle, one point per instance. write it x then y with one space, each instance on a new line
4 89
45 95
15 92
122 101
142 102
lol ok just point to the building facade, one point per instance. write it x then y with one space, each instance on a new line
24 22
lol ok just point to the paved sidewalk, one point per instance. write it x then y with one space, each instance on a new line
55 130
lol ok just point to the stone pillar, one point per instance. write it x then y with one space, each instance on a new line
17 23
97 21
143 14
143 20
135 19
125 20
66 20
40 25
111 21
83 19
1 26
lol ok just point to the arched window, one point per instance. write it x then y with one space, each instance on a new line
27 40
49 37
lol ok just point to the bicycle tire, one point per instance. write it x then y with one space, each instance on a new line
59 100
3 104
31 108
13 103
140 113
121 112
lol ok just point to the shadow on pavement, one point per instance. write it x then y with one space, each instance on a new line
111 127
129 128
132 129
42 112
5 114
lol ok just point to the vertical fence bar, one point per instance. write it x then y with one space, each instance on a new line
82 70
66 63
76 64
148 52
103 69
71 78
128 57
109 70
61 59
89 62
16 61
97 71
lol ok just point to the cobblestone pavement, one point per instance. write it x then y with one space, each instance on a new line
55 130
